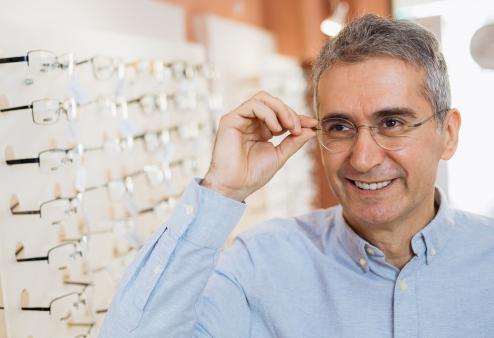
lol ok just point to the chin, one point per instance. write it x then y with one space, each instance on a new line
378 214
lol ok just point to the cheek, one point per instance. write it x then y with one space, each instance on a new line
418 163
332 164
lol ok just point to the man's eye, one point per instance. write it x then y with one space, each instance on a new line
340 127
392 123
337 128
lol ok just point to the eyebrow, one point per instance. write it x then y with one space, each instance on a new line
382 113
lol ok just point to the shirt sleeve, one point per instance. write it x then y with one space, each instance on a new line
159 292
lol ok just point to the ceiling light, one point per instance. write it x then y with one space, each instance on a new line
333 24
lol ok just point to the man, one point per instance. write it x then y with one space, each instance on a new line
392 260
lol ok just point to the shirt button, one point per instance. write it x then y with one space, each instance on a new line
370 251
157 269
433 252
403 285
189 209
362 261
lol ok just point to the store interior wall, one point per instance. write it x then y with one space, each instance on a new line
147 18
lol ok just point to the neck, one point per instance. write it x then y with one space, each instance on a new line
394 238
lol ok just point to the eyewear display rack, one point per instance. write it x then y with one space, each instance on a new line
132 125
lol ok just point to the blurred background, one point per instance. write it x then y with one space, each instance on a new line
195 60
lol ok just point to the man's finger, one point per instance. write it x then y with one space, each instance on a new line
256 109
307 121
284 113
291 144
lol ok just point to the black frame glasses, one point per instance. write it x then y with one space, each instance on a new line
48 111
60 308
40 61
52 159
57 256
53 211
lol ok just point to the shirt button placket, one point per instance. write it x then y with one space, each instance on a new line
405 315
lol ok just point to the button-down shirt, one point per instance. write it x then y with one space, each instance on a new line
302 277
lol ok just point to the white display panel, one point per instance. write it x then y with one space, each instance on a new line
110 224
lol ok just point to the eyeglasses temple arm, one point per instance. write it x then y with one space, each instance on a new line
16 108
23 212
145 211
40 308
96 187
23 161
14 59
32 259
134 100
138 137
77 283
97 148
82 62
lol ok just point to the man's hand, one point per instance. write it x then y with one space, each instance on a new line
243 158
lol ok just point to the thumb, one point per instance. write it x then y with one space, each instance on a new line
291 144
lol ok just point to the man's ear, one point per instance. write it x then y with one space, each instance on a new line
450 131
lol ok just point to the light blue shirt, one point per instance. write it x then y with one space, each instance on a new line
302 277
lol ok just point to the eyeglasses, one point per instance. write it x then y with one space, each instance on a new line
48 111
114 106
391 133
137 68
105 68
185 70
151 103
88 325
54 211
41 62
119 144
161 102
61 308
188 165
53 159
119 188
153 140
58 256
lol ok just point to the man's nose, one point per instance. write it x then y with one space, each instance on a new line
365 153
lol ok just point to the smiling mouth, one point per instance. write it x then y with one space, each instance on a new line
372 186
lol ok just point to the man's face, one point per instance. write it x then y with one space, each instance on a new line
361 91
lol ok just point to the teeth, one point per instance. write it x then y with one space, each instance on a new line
372 186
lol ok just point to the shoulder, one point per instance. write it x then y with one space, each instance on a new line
478 228
472 220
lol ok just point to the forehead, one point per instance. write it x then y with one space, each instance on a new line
378 83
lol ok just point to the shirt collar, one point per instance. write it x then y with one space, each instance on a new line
429 241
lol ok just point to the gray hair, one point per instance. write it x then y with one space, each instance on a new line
372 35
